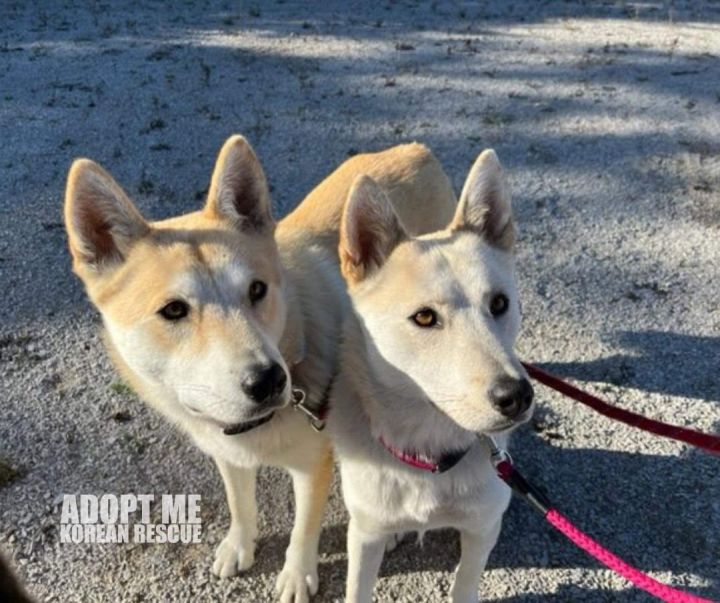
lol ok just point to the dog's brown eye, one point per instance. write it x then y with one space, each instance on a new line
499 304
425 318
175 310
257 291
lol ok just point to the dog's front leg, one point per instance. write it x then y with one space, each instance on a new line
365 554
311 485
475 551
237 550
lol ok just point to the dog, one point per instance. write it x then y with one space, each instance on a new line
216 316
427 372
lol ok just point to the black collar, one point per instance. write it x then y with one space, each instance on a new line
245 427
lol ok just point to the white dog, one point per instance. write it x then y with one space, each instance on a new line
427 368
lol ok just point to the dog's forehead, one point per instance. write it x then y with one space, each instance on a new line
206 281
217 269
203 262
454 260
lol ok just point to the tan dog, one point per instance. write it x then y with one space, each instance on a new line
428 370
211 315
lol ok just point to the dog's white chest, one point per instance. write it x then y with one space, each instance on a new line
401 500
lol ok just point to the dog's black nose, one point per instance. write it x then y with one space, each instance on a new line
512 397
265 382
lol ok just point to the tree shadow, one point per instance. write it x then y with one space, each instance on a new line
205 71
195 77
571 592
662 362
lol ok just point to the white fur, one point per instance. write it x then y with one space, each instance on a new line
192 369
426 390
206 383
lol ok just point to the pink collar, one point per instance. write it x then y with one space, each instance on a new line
419 461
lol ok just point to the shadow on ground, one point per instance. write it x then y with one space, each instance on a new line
386 80
655 361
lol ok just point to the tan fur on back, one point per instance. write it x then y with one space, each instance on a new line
410 175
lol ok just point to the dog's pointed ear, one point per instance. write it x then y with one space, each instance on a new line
369 231
484 205
101 221
238 189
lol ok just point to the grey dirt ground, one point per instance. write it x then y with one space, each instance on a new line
607 117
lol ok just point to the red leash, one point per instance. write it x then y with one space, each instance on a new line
706 441
512 477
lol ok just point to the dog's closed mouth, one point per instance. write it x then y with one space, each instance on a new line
247 426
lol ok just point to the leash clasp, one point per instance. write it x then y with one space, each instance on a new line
498 455
506 471
299 402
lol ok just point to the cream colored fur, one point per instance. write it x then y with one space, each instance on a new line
424 390
191 370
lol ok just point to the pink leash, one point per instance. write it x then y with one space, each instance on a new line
643 581
512 477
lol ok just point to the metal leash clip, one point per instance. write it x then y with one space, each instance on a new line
299 399
506 470
498 455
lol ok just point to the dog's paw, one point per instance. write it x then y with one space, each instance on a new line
296 584
235 554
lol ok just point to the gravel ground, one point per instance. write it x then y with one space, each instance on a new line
607 117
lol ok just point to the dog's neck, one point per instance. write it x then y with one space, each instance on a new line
398 411
316 305
292 343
